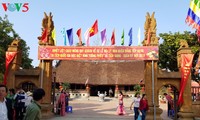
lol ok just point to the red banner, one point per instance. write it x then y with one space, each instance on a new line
186 64
9 57
98 53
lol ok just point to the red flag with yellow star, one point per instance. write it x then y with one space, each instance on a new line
94 29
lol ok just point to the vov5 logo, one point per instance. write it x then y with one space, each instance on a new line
20 7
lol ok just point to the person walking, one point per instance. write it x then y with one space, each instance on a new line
136 101
143 107
33 111
19 105
61 103
110 92
6 109
120 108
169 103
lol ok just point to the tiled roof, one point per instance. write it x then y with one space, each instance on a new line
100 73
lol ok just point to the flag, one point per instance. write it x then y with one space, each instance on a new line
9 58
138 36
44 36
93 29
130 34
79 36
103 37
113 38
186 64
86 82
122 38
193 16
148 37
64 36
70 36
53 35
87 36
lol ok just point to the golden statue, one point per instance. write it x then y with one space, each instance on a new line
183 44
47 28
150 31
15 42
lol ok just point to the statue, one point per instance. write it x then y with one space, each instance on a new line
150 31
47 28
183 44
15 42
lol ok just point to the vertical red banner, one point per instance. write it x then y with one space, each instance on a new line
9 57
186 64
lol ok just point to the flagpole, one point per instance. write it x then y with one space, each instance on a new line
153 86
98 39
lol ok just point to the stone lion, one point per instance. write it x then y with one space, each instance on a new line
183 44
15 42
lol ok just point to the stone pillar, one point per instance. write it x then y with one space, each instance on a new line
149 90
46 84
15 64
185 112
116 91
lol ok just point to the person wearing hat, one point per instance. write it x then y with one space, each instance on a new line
28 99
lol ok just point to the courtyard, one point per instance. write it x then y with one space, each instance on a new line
93 109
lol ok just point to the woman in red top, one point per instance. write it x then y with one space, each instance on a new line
144 107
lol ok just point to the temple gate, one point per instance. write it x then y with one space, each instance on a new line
154 78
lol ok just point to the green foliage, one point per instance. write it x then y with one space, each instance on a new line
7 35
65 86
137 87
170 45
1 77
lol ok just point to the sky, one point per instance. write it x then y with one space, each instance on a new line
111 14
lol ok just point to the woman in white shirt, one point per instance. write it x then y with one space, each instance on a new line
136 101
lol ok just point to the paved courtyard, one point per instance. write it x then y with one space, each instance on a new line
93 109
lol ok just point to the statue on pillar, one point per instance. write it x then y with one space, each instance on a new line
150 38
47 29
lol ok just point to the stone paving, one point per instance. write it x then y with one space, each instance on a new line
92 109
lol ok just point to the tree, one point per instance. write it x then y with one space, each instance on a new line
7 35
137 87
169 47
66 85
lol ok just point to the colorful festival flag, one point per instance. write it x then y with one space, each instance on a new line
103 37
186 64
79 36
53 35
113 38
122 38
70 36
94 29
139 38
130 35
87 36
64 36
193 16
